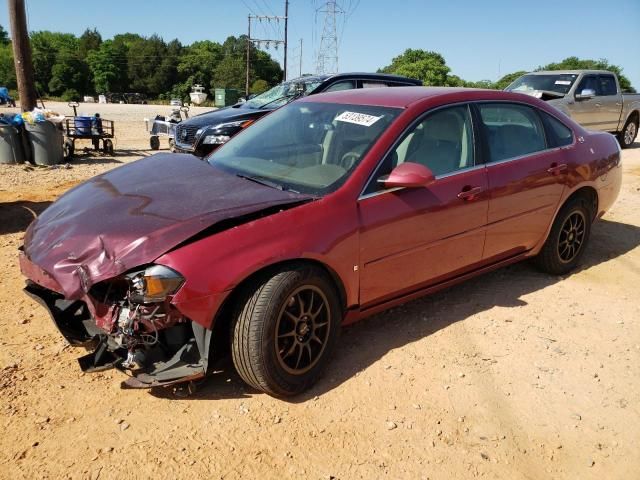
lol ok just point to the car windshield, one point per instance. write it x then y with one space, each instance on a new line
305 147
282 94
558 83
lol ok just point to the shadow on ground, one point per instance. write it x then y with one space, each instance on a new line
365 343
16 216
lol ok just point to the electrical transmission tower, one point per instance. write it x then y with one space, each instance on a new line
327 60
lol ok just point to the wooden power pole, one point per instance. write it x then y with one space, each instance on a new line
22 55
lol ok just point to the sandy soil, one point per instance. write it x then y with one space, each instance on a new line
515 374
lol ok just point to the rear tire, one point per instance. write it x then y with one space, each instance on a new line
285 330
568 238
154 142
68 149
629 133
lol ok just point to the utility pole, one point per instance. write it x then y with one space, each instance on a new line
300 58
246 88
327 61
260 41
286 25
22 55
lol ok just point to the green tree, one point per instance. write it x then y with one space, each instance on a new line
259 86
89 41
575 63
69 73
7 67
430 67
508 79
4 36
45 47
109 73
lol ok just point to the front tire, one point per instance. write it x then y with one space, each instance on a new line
568 238
629 133
285 330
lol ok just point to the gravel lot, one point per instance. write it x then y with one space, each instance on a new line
514 374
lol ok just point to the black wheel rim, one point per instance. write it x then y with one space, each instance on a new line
302 330
571 237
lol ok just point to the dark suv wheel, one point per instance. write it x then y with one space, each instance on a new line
568 238
286 327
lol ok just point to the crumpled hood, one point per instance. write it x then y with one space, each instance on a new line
133 214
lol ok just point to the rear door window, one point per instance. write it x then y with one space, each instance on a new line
512 130
558 134
608 85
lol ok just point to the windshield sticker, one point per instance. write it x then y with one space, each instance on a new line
563 82
358 118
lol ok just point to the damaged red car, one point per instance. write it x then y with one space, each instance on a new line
328 210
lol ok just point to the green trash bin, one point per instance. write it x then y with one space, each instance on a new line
10 145
225 97
46 143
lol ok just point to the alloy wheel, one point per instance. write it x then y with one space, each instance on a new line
571 236
630 133
302 330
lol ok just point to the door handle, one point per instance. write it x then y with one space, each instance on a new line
556 169
598 105
618 104
469 193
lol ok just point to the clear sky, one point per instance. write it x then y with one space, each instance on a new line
480 39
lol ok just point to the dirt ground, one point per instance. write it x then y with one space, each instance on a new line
512 375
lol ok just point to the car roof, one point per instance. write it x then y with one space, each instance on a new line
357 75
568 72
398 97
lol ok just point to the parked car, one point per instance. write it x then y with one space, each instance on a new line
591 97
330 209
204 133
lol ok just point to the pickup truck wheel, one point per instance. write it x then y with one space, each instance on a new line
286 327
629 133
567 240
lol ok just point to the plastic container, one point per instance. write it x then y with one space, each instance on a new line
10 145
83 125
46 143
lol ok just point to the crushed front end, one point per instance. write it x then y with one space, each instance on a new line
128 323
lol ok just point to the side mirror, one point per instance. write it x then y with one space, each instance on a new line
586 94
409 175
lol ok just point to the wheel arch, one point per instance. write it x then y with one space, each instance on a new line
222 321
591 196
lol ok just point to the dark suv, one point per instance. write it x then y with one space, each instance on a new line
202 134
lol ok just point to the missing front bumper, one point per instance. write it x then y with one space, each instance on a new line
181 356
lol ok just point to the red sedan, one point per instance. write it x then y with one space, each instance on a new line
325 211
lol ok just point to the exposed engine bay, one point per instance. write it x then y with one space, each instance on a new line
130 324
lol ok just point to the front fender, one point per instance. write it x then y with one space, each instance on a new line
324 231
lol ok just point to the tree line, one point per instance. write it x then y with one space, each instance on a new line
68 67
432 69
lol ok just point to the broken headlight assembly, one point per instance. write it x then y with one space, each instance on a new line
154 284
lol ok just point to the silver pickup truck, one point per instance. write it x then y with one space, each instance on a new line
591 97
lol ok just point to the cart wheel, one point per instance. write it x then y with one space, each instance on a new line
68 149
108 147
154 142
